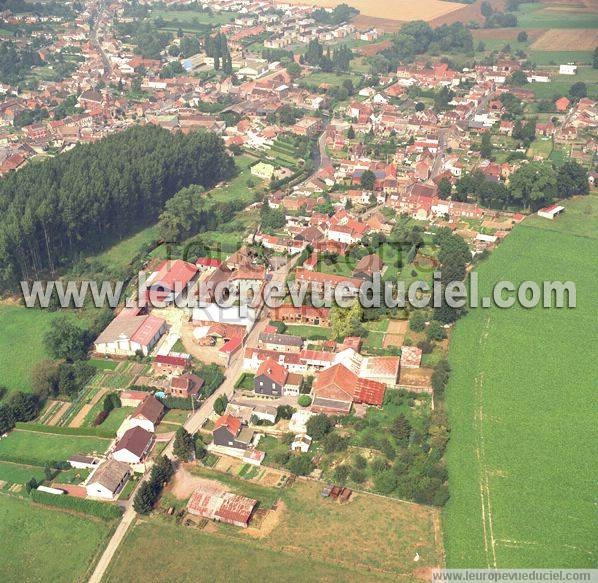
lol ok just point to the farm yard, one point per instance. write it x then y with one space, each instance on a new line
304 526
523 436
42 544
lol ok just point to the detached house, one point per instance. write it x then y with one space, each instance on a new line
270 378
108 480
133 446
147 415
229 431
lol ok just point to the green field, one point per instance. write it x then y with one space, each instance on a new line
19 473
333 79
522 401
22 343
538 15
37 448
192 20
40 544
120 255
560 57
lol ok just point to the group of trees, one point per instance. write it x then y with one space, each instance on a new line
53 212
408 457
531 186
15 62
347 321
150 490
339 14
19 406
496 19
217 47
418 37
337 59
190 212
186 444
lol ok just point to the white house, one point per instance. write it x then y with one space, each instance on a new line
568 69
147 416
301 443
108 480
133 446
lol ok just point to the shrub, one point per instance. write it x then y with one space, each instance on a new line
304 400
101 417
101 510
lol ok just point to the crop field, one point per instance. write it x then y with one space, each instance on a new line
300 543
37 448
22 343
567 39
521 402
401 10
39 544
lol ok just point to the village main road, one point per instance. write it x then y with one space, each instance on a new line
192 425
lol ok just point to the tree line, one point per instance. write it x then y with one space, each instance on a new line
58 210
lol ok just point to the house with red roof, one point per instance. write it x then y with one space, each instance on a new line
127 335
229 431
270 378
170 281
337 388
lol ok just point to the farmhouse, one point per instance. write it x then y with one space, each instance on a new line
337 388
280 342
147 416
128 334
170 281
221 506
108 480
133 446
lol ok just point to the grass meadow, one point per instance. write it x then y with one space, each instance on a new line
37 448
41 544
22 343
539 15
522 400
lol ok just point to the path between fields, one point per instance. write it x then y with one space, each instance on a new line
61 411
80 417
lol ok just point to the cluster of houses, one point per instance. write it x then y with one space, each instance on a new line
129 452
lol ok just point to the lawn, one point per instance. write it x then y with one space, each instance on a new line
116 418
191 20
310 332
22 333
333 79
19 473
302 544
540 147
120 255
40 544
521 458
237 188
538 15
38 448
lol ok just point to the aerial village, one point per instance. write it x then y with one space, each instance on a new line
344 172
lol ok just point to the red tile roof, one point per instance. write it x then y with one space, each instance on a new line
273 370
232 423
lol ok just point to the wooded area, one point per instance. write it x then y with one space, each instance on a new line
54 212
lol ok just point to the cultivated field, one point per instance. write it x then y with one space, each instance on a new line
521 399
401 10
327 540
567 39
40 544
